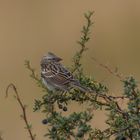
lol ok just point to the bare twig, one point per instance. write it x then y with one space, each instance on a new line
23 107
108 69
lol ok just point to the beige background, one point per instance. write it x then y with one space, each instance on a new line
31 28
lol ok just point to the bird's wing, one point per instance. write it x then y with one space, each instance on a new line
57 74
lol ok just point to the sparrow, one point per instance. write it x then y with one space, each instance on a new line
55 76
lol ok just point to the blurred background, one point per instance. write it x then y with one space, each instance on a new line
31 28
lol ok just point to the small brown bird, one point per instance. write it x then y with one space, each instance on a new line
56 77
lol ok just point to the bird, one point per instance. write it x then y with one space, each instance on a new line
55 76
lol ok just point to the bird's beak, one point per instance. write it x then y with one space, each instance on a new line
58 59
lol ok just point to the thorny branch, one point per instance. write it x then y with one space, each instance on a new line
82 42
115 73
23 107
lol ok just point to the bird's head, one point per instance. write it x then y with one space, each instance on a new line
49 57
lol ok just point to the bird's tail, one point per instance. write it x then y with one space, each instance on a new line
80 87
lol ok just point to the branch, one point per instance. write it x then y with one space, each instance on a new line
23 107
34 75
82 42
115 73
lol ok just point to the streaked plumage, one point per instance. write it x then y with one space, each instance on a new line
56 76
